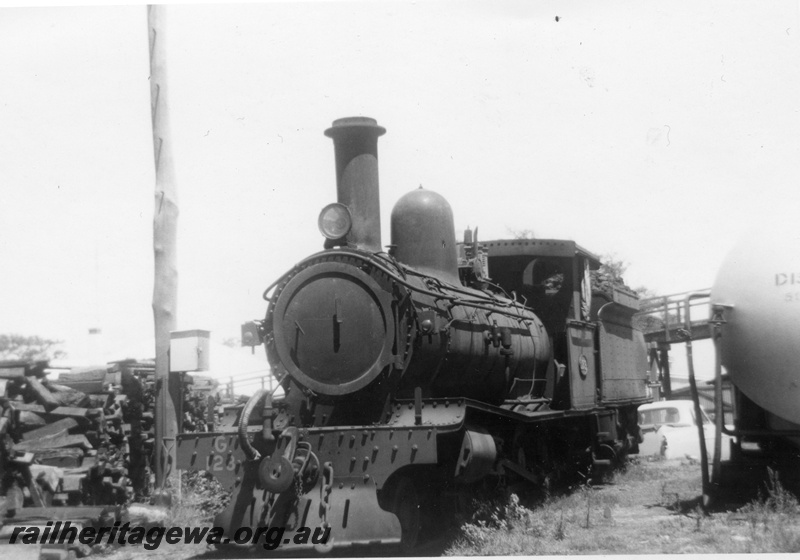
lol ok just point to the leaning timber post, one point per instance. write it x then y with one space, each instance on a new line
663 349
165 290
686 333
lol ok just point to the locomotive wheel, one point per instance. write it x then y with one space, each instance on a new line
600 473
530 451
406 506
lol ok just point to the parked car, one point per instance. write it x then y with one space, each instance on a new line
669 429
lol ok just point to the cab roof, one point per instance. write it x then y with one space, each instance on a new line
539 248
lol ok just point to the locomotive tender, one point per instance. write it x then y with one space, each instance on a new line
411 374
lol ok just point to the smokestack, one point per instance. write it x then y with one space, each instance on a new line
355 143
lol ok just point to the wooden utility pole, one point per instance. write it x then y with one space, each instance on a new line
165 291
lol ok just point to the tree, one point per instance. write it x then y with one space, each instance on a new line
645 293
612 267
522 233
611 271
29 348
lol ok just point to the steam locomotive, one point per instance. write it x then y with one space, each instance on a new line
412 374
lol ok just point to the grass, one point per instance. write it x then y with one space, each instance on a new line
650 507
200 499
772 519
553 527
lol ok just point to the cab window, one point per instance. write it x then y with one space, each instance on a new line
544 276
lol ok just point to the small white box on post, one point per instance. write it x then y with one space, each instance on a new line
188 350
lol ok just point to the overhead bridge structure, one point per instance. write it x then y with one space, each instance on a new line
673 319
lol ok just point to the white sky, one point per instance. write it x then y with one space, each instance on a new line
658 131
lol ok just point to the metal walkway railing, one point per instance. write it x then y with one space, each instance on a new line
673 319
662 319
247 384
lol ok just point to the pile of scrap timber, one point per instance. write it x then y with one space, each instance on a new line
77 445
85 437
200 404
79 440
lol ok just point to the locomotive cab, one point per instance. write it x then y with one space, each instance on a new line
599 355
548 275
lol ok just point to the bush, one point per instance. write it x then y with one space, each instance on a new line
773 518
202 493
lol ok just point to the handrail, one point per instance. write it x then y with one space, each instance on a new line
670 311
267 382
